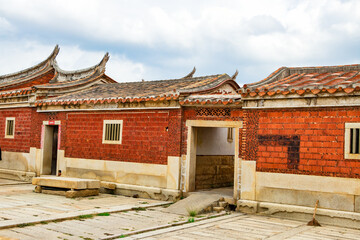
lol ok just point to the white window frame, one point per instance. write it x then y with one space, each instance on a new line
104 128
6 127
347 154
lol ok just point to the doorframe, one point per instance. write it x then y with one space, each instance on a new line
49 123
191 152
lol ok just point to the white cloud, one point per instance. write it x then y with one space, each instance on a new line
5 26
249 34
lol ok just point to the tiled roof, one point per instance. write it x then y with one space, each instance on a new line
301 80
140 91
211 100
16 92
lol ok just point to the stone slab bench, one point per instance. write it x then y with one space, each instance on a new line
66 186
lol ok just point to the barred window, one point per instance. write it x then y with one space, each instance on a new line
112 131
10 127
352 140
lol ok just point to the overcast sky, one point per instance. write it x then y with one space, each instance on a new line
165 39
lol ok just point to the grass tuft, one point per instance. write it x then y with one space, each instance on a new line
25 225
103 214
192 212
85 216
139 209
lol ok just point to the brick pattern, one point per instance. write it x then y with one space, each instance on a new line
250 143
236 114
144 137
321 141
174 131
147 137
22 136
37 122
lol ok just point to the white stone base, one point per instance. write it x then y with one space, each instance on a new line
143 191
323 216
17 175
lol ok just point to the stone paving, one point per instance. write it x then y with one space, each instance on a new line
238 226
118 216
19 202
95 227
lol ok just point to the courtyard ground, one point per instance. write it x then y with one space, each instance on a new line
28 215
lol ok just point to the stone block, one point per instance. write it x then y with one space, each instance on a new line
223 204
38 189
66 182
205 170
82 193
246 206
218 209
108 185
357 203
54 192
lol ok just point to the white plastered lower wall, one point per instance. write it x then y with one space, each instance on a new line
147 180
18 165
302 190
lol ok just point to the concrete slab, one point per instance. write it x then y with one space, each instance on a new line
66 182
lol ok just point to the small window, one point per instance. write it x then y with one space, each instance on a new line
352 140
10 127
112 131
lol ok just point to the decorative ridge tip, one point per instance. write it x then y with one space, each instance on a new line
103 62
233 77
55 51
191 74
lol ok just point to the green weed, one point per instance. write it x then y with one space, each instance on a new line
103 214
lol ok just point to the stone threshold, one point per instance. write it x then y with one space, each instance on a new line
71 215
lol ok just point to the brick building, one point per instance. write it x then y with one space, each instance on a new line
287 140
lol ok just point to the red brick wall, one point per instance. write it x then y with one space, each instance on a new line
301 141
148 136
37 122
236 114
21 140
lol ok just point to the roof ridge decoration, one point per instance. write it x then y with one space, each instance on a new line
233 77
64 75
48 62
144 91
314 80
191 74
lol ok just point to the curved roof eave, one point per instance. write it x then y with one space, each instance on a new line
47 62
63 75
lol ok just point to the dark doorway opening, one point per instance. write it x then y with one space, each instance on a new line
54 150
50 150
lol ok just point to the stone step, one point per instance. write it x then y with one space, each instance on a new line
231 201
66 182
223 204
218 209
